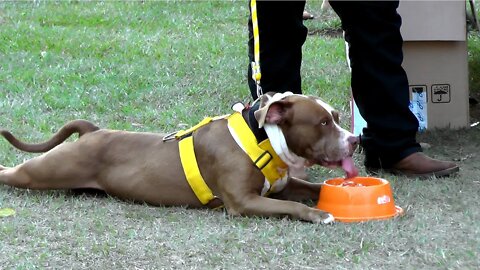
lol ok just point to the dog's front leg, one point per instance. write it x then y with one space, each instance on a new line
298 190
255 205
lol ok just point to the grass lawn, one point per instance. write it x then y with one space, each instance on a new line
165 65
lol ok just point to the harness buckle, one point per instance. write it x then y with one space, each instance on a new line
263 160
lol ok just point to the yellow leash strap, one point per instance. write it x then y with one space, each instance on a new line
262 155
192 172
256 72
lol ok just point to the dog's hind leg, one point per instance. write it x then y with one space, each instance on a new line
14 177
61 168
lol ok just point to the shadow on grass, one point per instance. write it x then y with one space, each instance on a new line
474 74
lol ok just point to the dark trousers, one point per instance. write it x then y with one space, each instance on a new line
379 83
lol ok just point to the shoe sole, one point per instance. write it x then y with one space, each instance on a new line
442 173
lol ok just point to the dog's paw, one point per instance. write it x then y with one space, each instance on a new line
329 219
318 216
298 173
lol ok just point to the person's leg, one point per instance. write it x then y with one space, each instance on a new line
282 35
380 85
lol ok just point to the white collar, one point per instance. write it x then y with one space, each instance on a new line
279 144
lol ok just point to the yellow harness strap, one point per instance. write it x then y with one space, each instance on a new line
182 133
189 161
262 155
192 173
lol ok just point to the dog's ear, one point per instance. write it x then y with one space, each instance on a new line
271 110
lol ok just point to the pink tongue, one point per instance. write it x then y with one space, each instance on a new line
349 167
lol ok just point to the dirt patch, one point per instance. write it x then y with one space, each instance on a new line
327 32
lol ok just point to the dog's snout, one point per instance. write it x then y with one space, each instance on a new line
353 141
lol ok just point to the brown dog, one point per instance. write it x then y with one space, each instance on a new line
147 167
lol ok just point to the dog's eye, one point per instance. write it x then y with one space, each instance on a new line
324 123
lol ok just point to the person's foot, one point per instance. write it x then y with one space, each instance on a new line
307 15
422 166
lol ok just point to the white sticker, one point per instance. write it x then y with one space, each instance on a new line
383 199
358 123
418 105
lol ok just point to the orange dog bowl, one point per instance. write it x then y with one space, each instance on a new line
358 199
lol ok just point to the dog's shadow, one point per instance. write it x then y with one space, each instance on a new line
87 192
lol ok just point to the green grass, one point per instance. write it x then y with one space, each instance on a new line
157 66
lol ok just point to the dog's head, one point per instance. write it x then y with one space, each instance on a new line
311 129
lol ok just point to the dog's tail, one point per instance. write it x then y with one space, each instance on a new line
76 126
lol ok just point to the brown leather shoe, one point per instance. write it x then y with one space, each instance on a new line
422 166
307 15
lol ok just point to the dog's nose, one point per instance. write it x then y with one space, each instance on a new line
353 141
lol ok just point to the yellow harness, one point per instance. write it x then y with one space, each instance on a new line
262 155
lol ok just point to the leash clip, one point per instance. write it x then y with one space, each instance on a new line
170 136
257 76
256 73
